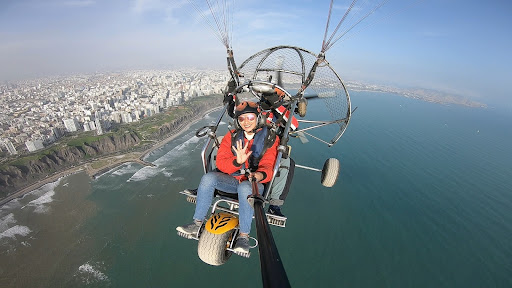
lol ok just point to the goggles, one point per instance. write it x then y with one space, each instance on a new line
244 104
249 116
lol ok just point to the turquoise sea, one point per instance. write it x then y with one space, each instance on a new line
424 200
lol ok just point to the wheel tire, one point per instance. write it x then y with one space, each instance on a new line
330 172
212 247
302 108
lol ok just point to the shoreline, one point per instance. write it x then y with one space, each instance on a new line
113 162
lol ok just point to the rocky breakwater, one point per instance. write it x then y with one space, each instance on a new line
21 174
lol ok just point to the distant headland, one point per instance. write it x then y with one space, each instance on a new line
427 95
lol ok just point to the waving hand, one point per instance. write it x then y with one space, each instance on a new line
241 152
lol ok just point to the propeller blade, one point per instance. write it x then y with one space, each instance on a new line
263 88
279 78
311 96
279 75
302 137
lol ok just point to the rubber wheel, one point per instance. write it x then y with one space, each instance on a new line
212 247
330 172
302 108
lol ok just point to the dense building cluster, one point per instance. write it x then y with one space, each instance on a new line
38 112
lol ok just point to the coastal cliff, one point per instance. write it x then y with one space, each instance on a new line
18 175
137 137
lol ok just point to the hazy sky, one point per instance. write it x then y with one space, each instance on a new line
451 45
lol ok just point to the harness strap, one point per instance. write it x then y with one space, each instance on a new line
263 139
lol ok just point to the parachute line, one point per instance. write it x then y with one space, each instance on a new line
218 17
327 25
349 13
327 44
355 24
353 16
216 22
396 12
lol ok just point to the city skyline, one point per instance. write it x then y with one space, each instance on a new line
39 113
453 46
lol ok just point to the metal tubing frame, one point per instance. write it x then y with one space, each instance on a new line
306 81
278 70
282 145
207 144
322 123
270 50
231 204
307 167
316 138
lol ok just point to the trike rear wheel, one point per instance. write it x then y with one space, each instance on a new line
212 248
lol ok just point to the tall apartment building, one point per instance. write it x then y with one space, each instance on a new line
34 145
10 148
99 130
126 117
71 125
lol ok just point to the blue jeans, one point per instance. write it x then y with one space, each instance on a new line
228 184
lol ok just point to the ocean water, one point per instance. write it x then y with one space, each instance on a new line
423 200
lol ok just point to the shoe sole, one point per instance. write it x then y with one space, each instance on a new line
242 253
184 234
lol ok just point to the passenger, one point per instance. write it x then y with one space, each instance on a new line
241 149
275 112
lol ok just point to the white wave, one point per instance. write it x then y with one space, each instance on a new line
11 205
125 169
145 173
45 195
45 188
176 151
40 203
90 274
192 140
169 175
6 221
14 231
208 116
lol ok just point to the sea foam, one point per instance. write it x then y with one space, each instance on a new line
167 174
125 169
45 196
40 203
6 221
14 231
145 173
90 274
176 151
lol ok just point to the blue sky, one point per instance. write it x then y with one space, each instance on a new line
455 46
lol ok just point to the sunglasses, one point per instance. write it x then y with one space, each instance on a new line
244 104
249 116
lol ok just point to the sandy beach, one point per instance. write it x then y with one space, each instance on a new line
103 164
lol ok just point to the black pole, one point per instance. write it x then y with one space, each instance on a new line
272 269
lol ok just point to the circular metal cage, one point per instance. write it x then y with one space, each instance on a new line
289 67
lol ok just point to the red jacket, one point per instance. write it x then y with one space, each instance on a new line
226 159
